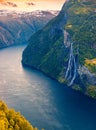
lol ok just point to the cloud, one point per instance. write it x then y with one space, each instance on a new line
10 4
30 3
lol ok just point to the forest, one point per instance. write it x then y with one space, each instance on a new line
12 120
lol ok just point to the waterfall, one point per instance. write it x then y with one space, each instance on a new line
74 75
71 71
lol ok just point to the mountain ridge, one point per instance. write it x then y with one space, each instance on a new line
17 27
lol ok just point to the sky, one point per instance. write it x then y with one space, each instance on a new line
31 5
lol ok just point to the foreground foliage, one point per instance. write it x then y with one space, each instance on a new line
12 120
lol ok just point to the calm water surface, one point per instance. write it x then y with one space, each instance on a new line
43 101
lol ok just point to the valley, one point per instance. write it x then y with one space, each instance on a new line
17 27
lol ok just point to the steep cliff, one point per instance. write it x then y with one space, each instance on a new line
65 49
16 27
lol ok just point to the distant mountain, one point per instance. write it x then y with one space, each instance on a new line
17 27
65 49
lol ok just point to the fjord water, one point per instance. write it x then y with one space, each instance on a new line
43 101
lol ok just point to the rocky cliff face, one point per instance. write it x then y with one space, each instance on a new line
65 49
16 28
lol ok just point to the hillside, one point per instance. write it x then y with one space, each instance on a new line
17 27
65 49
12 120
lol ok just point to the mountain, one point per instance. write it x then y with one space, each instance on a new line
65 49
17 27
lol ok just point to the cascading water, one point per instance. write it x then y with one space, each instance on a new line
71 71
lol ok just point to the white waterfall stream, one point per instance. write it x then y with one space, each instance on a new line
71 71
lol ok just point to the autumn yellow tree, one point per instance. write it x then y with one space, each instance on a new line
12 120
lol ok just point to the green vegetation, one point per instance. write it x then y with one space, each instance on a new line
86 38
91 65
12 120
82 27
77 87
44 50
91 91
